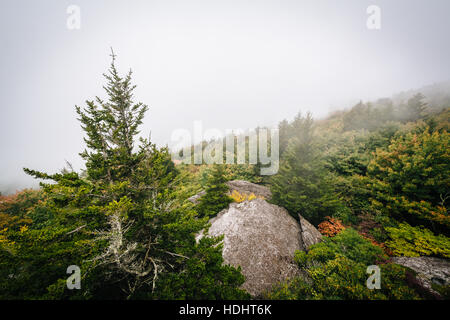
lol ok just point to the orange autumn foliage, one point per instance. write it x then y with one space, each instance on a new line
331 227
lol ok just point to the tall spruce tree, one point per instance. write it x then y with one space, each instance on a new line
138 242
302 185
416 106
111 127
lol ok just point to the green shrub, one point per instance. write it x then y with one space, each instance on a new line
410 180
215 198
416 241
336 269
347 243
344 279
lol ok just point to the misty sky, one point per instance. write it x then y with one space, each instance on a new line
231 64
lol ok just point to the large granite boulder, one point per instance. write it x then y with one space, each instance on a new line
429 270
262 238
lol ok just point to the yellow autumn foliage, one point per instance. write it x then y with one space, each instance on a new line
5 243
241 197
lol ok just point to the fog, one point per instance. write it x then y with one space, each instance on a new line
230 64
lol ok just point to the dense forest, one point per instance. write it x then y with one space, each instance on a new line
374 179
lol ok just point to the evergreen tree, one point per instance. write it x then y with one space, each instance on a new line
416 106
284 133
134 236
111 127
215 198
409 180
302 185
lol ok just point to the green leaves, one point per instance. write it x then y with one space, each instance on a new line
215 198
336 270
347 243
416 241
410 179
118 221
302 185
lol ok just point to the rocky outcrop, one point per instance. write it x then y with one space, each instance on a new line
245 187
241 186
309 234
194 198
429 270
262 238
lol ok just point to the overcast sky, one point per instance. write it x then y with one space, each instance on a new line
231 64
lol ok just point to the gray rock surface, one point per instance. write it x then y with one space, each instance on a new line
429 270
310 235
194 198
261 238
241 186
245 187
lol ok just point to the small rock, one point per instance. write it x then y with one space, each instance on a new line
429 270
310 235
